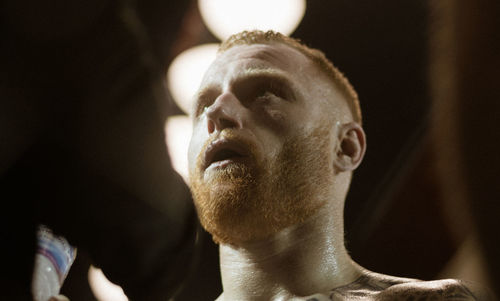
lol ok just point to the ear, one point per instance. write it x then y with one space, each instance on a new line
350 148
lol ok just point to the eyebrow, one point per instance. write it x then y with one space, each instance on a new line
257 71
205 92
265 73
270 56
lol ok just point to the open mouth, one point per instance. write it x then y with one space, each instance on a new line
225 154
223 151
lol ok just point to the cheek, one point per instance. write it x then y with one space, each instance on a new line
191 156
277 116
269 144
273 118
194 149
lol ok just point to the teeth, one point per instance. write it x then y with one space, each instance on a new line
225 154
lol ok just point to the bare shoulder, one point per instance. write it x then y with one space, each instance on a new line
446 289
373 286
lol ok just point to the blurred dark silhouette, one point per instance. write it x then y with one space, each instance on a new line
465 69
82 145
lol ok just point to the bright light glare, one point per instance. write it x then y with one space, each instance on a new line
186 72
103 289
178 130
226 17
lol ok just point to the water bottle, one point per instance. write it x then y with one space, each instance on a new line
53 260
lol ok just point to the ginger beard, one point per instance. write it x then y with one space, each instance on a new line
248 202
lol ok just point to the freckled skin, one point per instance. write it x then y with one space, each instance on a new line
278 216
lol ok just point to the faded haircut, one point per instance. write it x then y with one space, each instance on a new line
315 55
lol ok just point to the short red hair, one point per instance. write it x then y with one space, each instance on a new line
315 55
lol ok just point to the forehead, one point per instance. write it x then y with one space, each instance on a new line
245 59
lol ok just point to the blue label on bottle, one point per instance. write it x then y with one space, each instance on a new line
57 250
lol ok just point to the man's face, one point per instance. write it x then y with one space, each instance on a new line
260 158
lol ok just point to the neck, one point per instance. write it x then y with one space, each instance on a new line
298 261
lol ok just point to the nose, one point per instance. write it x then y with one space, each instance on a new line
225 112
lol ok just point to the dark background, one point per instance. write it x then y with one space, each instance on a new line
397 220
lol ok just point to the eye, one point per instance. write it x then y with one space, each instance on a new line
271 90
203 101
265 96
200 108
262 90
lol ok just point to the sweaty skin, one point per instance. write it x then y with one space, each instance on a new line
279 221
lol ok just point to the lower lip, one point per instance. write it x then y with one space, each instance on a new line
220 164
226 162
